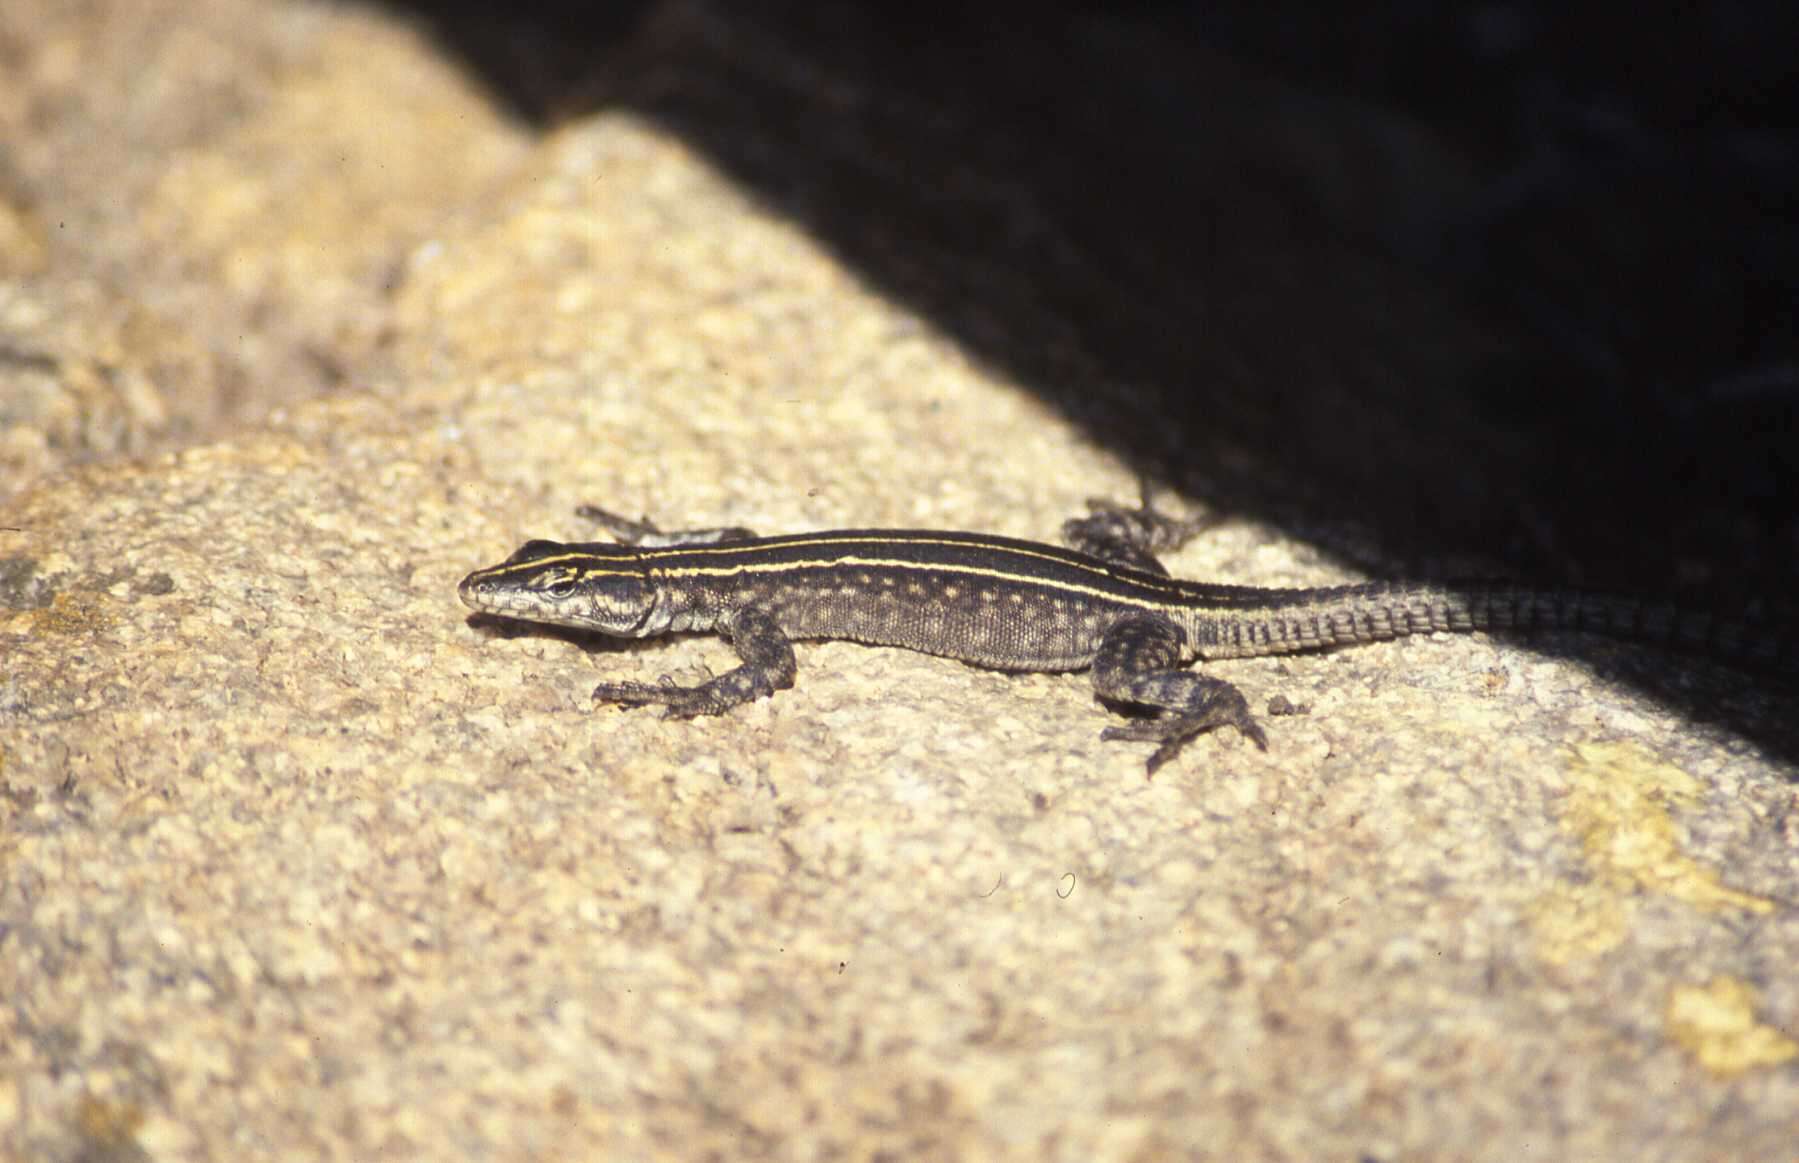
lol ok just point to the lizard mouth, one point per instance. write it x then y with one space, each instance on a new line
481 595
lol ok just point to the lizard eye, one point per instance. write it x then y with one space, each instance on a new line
561 589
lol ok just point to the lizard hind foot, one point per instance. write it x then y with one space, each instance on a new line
1131 535
1172 732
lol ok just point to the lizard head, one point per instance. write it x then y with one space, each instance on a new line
583 586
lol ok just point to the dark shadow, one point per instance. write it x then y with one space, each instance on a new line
589 641
1439 289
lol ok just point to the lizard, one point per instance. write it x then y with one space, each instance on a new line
1104 603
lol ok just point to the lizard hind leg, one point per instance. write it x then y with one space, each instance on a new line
646 533
1139 665
1130 535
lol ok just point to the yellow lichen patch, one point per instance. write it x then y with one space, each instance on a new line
1716 1024
70 613
1619 807
24 247
1572 921
108 1130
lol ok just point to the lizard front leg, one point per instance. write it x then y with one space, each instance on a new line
1139 665
768 666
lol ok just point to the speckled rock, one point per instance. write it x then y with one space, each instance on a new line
295 861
